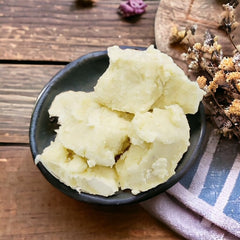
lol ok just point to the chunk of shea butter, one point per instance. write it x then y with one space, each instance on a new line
70 104
89 129
137 81
73 170
99 180
133 80
167 125
179 89
159 140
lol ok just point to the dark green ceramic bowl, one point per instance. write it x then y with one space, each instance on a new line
82 74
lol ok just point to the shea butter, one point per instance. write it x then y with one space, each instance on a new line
159 139
88 129
127 134
73 170
137 81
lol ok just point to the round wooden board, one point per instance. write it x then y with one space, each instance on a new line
205 13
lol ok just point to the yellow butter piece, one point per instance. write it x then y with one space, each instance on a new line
165 125
71 104
132 82
90 130
99 180
73 171
137 81
159 138
180 90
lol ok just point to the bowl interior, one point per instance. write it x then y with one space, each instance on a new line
82 75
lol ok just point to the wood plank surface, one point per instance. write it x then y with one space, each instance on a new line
19 87
63 31
32 209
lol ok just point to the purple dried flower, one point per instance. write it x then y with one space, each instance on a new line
132 8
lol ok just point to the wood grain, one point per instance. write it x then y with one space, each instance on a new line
206 14
19 87
63 31
31 209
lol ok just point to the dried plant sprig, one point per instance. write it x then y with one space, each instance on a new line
228 21
206 56
222 97
184 36
236 61
217 74
234 3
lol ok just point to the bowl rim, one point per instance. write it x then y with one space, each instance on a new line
90 198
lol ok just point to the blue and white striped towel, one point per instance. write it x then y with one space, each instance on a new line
205 203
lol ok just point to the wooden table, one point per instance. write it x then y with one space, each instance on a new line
37 39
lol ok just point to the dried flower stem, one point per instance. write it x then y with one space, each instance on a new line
218 75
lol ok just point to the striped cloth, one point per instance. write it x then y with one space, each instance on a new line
205 203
